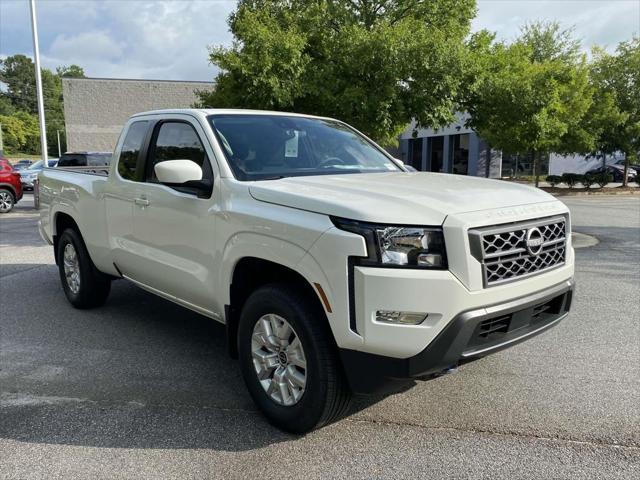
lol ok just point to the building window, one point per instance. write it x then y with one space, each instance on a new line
521 165
415 153
460 153
436 153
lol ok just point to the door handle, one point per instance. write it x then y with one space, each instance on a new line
143 202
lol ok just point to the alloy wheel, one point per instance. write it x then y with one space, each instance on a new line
6 201
279 360
71 268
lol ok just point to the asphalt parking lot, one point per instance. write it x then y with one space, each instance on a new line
142 388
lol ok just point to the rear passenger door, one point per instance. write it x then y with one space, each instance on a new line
173 227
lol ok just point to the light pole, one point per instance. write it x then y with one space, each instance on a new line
59 151
36 55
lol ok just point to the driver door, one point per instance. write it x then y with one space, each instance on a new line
173 228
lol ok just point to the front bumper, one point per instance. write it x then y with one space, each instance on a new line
470 335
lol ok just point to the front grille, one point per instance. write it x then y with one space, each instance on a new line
516 250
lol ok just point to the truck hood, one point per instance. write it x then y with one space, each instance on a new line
395 197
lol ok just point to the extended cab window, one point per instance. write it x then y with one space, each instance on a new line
131 150
177 141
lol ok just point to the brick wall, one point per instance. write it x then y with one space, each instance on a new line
96 109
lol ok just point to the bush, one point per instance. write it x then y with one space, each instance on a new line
571 179
603 178
554 180
588 179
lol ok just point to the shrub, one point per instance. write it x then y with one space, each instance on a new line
603 178
588 179
554 180
571 179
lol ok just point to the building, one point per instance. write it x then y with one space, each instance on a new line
95 109
458 149
452 149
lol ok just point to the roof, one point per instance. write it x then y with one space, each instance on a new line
222 111
107 79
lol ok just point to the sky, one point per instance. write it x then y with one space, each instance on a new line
168 40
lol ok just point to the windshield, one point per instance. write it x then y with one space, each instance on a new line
260 147
36 166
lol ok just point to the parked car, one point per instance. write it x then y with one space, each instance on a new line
85 159
616 171
22 164
635 166
333 268
29 175
10 186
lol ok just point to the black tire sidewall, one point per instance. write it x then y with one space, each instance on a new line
90 285
309 410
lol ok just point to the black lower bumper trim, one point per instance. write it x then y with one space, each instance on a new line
470 335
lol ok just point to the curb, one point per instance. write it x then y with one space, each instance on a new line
632 193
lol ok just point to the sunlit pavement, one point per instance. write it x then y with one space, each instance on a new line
141 388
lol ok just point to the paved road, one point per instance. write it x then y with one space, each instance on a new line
143 389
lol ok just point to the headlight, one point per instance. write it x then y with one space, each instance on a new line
400 246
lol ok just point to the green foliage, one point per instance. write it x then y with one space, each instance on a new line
554 180
588 179
19 102
72 71
571 179
532 93
373 64
20 133
603 179
617 77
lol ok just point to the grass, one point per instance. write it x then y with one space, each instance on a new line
14 157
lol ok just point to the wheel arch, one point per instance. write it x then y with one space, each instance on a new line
252 272
11 189
61 222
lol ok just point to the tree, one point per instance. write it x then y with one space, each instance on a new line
533 95
617 77
20 133
372 63
17 72
72 71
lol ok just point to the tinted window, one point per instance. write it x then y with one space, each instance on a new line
98 159
131 149
177 141
72 160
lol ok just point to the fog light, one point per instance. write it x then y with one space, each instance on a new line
402 318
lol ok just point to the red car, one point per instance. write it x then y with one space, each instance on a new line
10 186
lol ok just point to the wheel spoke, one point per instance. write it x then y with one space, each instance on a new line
295 377
278 359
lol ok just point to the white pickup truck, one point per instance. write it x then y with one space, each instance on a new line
334 269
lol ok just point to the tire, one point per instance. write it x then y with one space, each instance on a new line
7 200
89 288
326 395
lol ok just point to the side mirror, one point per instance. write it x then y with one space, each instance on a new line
183 173
177 171
409 168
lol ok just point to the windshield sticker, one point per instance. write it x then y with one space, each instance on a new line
291 146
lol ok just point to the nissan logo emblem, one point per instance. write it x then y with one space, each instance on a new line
534 241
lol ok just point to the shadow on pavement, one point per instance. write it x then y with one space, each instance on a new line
139 372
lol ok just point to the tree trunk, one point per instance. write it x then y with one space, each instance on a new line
625 172
536 167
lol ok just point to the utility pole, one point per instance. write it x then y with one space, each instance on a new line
59 151
36 55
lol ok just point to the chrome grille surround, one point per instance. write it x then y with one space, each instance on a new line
504 252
